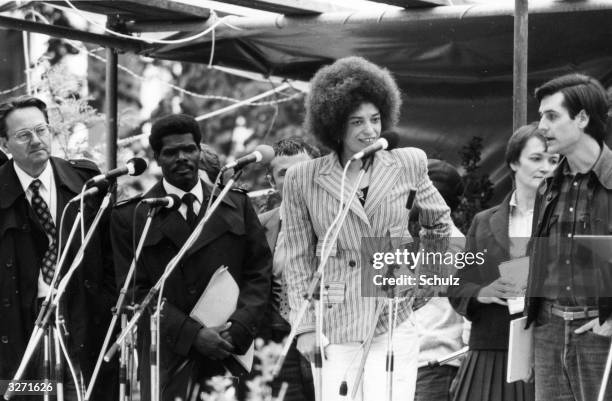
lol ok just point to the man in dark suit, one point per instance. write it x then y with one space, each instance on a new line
190 352
296 370
35 189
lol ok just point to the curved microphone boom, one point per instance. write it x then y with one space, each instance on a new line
388 140
262 153
134 166
172 202
96 188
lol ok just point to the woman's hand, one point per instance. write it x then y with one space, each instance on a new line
306 345
494 292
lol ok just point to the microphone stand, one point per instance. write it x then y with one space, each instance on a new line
47 363
366 350
606 376
119 307
130 359
154 352
124 369
392 310
59 367
317 280
170 267
50 310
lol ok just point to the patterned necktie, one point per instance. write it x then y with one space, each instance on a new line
191 217
44 216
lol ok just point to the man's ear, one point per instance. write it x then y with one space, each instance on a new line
3 142
582 118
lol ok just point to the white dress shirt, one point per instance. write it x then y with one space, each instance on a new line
48 193
519 228
196 190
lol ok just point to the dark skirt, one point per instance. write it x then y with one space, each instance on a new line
482 377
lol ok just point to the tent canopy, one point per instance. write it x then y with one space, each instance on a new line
454 64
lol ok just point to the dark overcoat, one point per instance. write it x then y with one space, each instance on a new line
91 292
232 237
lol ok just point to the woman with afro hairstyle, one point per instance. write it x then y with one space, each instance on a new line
350 103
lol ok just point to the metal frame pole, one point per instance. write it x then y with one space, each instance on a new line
111 108
520 72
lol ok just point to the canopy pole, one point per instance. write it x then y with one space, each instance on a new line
521 49
111 108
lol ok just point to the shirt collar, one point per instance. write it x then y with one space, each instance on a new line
172 190
513 202
514 205
46 177
603 167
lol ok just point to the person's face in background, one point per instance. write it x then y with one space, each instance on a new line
363 127
562 132
30 155
179 159
533 165
279 166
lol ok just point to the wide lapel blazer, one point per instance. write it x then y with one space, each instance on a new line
311 201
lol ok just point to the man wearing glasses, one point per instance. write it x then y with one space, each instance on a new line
34 189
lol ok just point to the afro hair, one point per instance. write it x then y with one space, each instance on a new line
173 124
339 89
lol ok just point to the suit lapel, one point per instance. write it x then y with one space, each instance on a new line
330 179
499 224
272 226
385 174
67 184
221 221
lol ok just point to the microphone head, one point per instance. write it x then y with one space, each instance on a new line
176 202
392 139
343 388
266 151
138 165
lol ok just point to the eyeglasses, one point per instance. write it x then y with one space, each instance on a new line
26 135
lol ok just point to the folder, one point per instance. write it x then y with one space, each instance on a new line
520 351
214 308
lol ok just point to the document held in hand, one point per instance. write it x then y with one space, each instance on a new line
216 305
516 271
520 351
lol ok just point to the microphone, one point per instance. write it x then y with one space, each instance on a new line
134 166
172 202
388 140
263 153
100 186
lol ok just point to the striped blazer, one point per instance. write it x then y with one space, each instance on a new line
311 198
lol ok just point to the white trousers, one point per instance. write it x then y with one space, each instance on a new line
343 360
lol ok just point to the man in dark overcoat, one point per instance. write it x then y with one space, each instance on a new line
191 353
34 190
